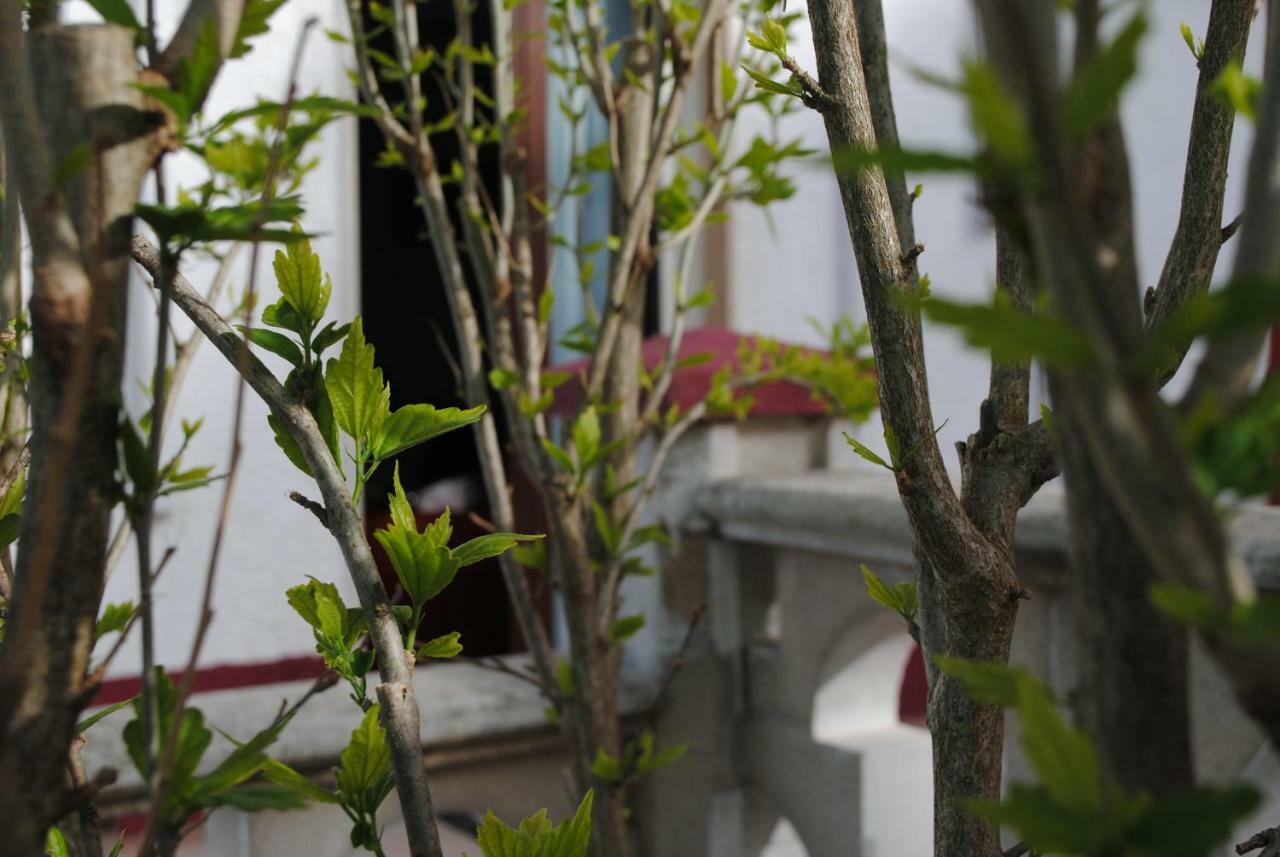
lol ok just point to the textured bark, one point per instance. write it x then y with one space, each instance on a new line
1127 435
1127 649
968 585
1193 253
77 314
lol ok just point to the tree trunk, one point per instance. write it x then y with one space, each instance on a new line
1133 659
86 74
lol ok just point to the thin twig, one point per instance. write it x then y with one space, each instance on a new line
1268 840
677 661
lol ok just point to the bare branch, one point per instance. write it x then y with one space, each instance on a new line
1226 370
1189 266
223 15
1268 840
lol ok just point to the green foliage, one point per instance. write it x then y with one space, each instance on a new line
190 223
360 404
226 784
363 778
1094 93
101 714
639 759
1239 91
535 837
11 511
1073 810
446 646
337 630
114 618
1195 44
1251 624
1235 454
1010 334
55 844
142 478
194 76
424 562
1242 305
901 598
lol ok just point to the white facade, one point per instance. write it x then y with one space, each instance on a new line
785 265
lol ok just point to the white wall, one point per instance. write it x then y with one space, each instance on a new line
795 261
270 543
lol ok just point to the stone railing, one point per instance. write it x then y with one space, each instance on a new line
794 696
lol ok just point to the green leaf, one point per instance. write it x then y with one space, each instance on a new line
365 761
1012 335
253 23
320 605
1063 757
424 568
865 453
138 464
570 838
10 526
114 618
626 627
289 446
1241 92
276 343
901 598
1187 605
855 161
302 283
11 503
257 797
605 767
1192 823
361 401
190 223
441 647
1046 416
1094 94
83 725
488 545
989 683
116 12
330 334
55 844
415 424
1193 44
996 118
278 772
559 456
586 437
402 514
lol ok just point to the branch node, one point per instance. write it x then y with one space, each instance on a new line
311 506
910 257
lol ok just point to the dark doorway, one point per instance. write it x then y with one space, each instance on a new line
406 317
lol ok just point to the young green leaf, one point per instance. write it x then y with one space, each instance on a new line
865 453
365 763
487 546
276 343
302 283
441 647
361 400
1095 92
101 714
114 618
415 424
626 627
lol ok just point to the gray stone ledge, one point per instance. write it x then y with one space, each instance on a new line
858 514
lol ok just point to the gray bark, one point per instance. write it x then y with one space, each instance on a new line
77 313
